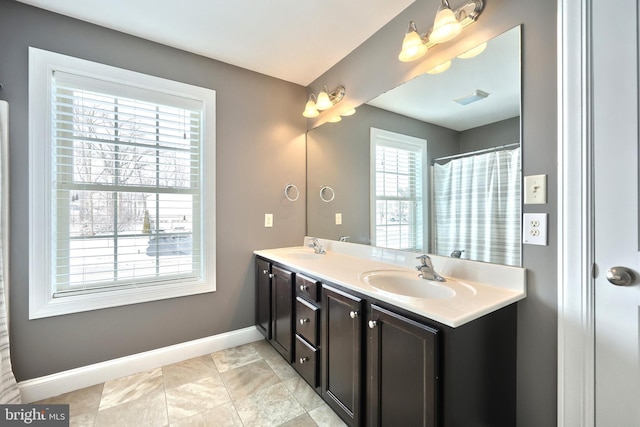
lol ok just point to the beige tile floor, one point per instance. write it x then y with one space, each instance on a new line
249 385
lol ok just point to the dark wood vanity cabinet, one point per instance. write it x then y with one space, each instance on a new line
307 328
274 306
263 297
282 311
376 364
402 370
342 347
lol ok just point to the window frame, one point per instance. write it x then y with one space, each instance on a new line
42 302
380 137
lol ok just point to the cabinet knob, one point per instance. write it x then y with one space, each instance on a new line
373 324
265 271
353 314
271 276
303 321
303 287
304 360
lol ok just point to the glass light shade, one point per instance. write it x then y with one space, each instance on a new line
324 103
440 68
310 110
335 119
473 52
349 112
445 26
412 46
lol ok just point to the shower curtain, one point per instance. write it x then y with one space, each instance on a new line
477 207
9 392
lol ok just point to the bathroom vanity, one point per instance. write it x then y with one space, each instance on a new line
382 346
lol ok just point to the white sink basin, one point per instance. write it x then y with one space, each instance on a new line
406 283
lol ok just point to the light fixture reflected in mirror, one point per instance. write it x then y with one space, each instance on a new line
447 25
440 68
325 101
473 52
349 112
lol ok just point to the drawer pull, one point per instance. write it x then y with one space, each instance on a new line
353 314
271 276
304 360
303 321
303 287
265 271
372 324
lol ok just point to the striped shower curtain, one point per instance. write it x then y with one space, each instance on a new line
9 392
477 207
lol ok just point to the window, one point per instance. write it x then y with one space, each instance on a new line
122 171
397 190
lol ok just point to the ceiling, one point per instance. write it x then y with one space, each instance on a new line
292 40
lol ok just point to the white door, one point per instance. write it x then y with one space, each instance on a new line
616 233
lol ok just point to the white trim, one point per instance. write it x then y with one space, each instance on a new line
74 379
576 304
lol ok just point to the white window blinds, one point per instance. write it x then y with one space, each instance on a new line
126 187
398 187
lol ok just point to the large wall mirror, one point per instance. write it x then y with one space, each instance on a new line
431 166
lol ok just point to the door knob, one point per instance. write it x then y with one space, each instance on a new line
620 276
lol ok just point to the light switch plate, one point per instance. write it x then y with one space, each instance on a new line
535 189
268 220
338 219
534 229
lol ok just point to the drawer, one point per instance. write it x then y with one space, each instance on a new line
306 362
307 320
307 288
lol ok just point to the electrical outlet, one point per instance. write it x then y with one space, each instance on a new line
535 189
268 220
534 229
338 219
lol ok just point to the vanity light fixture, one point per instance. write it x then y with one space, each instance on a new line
447 25
324 101
349 112
310 110
335 119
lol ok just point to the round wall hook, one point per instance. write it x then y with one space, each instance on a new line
331 192
286 192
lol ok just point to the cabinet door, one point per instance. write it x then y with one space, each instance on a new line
341 353
282 311
263 297
403 370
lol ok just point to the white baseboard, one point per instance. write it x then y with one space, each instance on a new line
74 379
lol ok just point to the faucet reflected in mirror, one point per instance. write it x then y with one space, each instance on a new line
340 155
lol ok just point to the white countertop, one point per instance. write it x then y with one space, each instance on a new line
480 288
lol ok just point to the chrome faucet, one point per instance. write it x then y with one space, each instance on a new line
344 238
317 247
457 253
426 269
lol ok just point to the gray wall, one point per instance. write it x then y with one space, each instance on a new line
491 135
537 314
258 135
338 156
